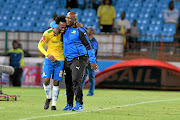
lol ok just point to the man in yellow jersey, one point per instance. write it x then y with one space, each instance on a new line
106 15
54 61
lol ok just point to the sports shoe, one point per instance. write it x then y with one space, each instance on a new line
46 105
67 108
77 107
53 107
89 94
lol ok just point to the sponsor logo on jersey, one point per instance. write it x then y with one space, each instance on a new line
43 38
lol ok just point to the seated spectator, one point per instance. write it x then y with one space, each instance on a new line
71 4
171 15
133 39
53 19
106 15
94 4
87 4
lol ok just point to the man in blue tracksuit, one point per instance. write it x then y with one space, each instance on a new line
17 62
89 71
76 46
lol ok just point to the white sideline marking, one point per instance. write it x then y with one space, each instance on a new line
2 107
35 117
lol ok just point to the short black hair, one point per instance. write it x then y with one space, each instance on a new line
60 18
171 2
110 2
15 41
123 12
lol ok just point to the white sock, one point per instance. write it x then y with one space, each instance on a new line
47 90
55 95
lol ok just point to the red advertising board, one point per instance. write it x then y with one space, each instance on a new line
31 75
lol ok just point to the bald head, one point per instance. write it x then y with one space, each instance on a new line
71 19
72 14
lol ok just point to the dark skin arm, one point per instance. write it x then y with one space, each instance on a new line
94 66
51 58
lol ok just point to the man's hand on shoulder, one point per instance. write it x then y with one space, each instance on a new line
94 66
51 58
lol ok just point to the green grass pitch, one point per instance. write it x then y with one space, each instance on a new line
106 104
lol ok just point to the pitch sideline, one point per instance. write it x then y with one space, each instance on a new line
97 109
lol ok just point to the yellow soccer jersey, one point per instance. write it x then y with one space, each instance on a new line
55 44
107 14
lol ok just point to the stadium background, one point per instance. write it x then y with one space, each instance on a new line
25 20
33 15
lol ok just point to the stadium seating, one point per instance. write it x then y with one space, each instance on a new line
33 15
61 11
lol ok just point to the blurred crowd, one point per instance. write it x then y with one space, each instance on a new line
109 22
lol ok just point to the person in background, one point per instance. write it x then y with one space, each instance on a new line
171 15
17 62
54 17
94 4
123 26
91 72
133 39
71 4
106 15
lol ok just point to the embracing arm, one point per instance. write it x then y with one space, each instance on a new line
40 46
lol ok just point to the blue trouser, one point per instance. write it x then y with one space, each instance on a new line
91 79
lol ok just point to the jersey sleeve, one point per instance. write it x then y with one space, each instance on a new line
95 44
42 42
54 25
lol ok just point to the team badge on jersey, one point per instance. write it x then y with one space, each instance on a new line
43 38
44 75
74 31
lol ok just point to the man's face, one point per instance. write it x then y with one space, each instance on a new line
70 19
62 27
107 2
122 15
15 45
171 6
134 23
